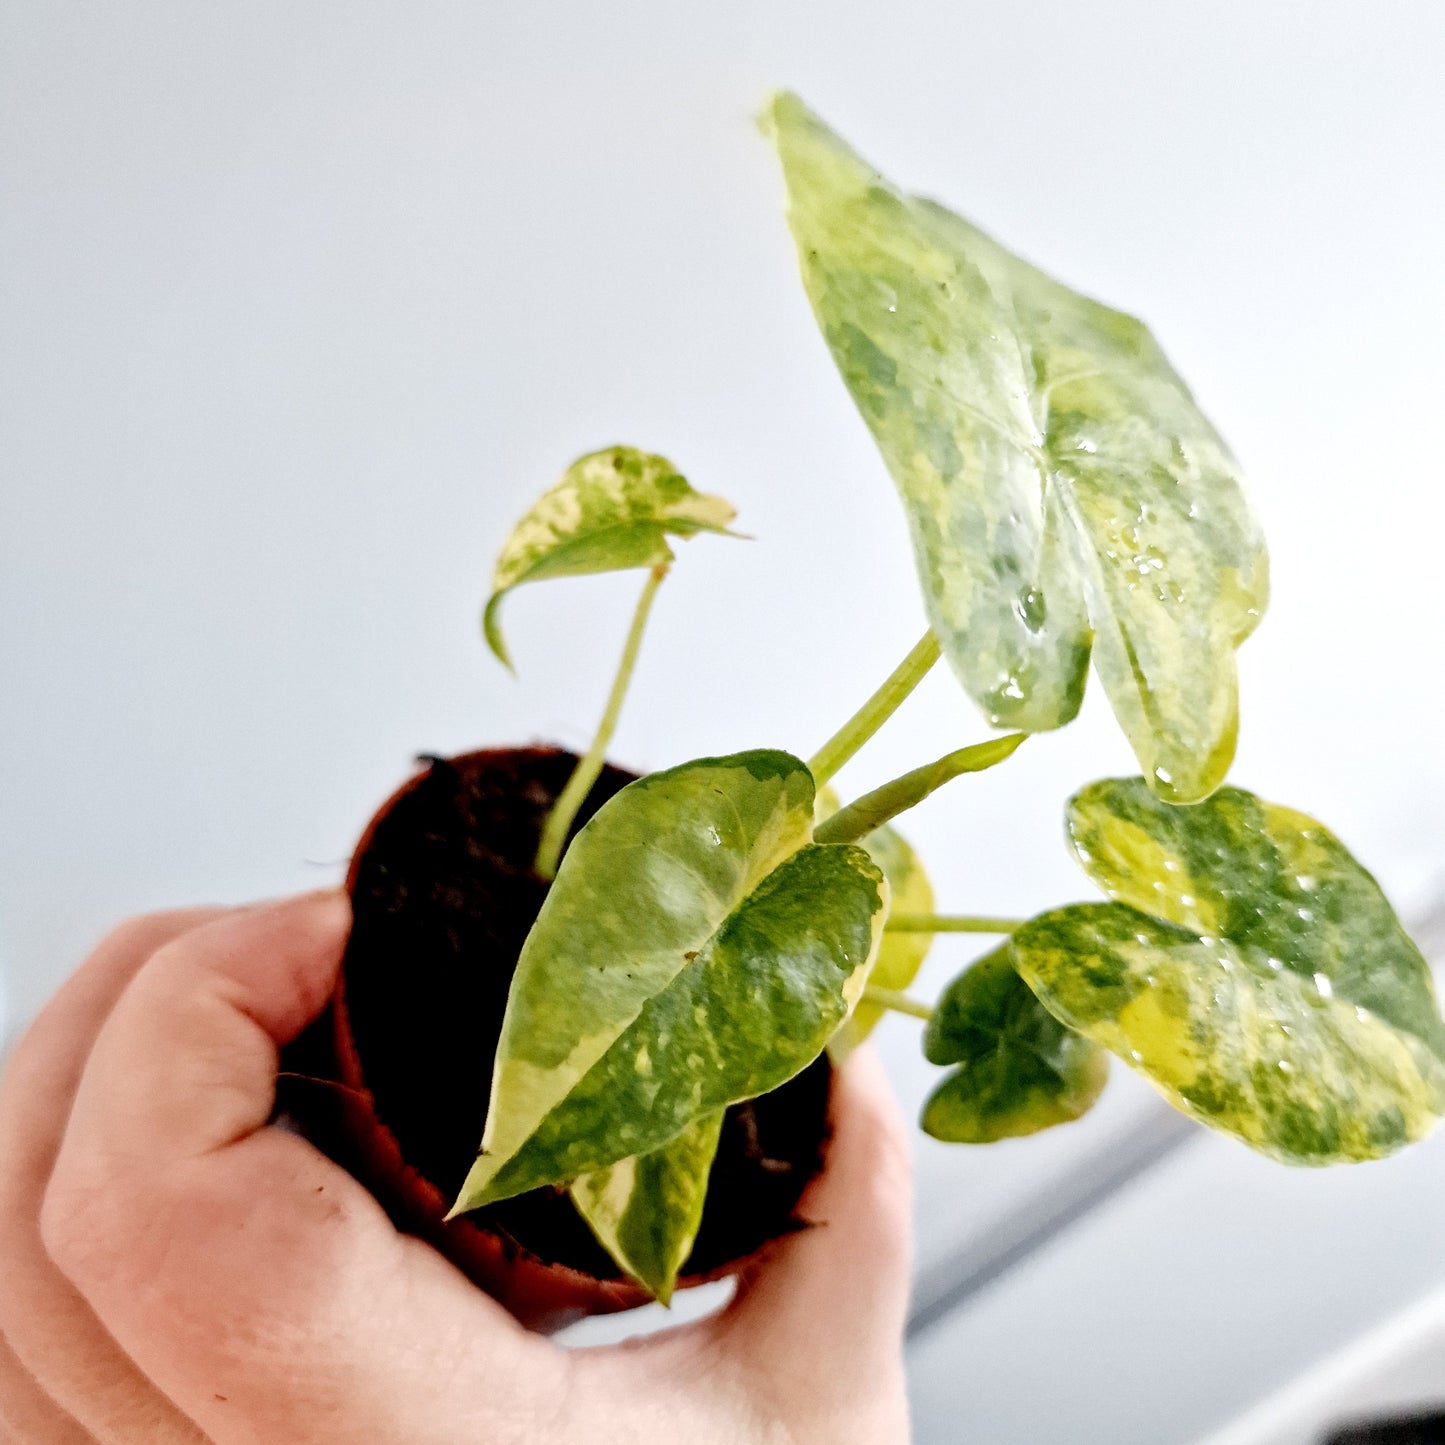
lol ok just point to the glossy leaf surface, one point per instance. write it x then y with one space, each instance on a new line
645 1210
612 510
1019 1069
1063 490
900 955
1252 970
696 949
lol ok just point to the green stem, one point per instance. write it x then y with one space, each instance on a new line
949 923
589 766
876 711
896 1000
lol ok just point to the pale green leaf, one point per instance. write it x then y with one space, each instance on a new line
645 1210
1268 990
1019 1070
612 510
1063 490
696 949
870 812
900 955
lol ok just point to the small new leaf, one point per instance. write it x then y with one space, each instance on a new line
612 510
1019 1069
1251 969
1064 492
645 1210
696 949
867 814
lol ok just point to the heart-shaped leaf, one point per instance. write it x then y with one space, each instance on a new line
1063 490
1019 1069
645 1210
1253 971
900 955
696 949
612 510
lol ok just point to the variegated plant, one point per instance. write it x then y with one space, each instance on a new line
717 925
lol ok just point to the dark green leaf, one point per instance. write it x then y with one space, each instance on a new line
1019 1069
1063 489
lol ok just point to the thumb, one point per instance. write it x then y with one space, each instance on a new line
827 1306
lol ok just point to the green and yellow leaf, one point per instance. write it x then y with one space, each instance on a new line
697 949
1019 1070
1252 970
1064 492
612 510
645 1210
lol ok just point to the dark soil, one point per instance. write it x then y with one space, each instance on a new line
443 897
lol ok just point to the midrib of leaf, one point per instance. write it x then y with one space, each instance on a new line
559 553
1101 610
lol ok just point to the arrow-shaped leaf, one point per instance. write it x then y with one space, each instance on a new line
1019 1069
1253 971
1063 489
612 510
645 1210
696 949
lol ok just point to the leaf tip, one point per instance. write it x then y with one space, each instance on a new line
772 108
492 631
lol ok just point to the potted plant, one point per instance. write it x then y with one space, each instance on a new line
583 1031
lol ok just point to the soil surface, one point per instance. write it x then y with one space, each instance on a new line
443 896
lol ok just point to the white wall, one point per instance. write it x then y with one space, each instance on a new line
300 305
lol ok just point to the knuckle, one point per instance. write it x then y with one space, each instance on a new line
142 933
72 1227
92 1225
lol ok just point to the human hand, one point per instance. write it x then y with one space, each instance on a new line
174 1270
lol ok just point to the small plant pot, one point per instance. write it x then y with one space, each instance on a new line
393 1080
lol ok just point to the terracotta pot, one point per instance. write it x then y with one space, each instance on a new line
392 1081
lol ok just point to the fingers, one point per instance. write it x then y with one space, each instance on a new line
260 1286
186 1063
58 1350
826 1308
27 1413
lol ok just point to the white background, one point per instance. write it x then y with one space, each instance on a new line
301 304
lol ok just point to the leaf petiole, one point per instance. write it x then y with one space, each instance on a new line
897 1000
589 766
949 923
876 711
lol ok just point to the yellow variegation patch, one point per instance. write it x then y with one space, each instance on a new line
645 1210
612 510
900 955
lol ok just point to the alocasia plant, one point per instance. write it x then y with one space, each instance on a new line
717 925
